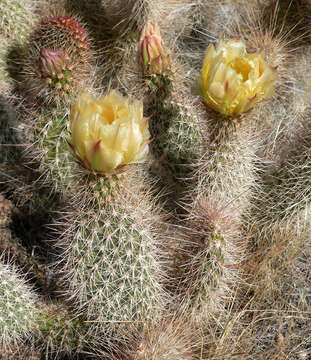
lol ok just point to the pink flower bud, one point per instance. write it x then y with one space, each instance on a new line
52 62
153 54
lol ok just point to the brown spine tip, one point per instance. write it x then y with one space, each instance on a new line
226 86
97 146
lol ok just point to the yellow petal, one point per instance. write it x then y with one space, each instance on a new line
233 81
101 158
209 55
109 132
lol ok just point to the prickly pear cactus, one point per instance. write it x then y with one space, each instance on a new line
157 155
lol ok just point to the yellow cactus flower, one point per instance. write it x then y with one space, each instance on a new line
109 132
233 81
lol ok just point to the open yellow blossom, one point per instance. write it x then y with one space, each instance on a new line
109 132
233 80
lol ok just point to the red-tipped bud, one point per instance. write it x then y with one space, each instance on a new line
52 62
69 24
153 54
64 32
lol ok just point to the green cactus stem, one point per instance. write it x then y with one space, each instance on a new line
23 316
111 257
58 58
17 306
16 19
177 131
177 128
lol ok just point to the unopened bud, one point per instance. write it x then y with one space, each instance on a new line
153 54
52 62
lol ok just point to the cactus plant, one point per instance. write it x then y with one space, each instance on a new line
23 316
121 253
17 307
186 252
57 58
226 176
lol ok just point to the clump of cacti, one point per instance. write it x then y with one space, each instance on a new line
162 151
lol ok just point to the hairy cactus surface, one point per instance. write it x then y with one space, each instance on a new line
154 179
4 75
17 307
58 56
24 317
16 19
112 266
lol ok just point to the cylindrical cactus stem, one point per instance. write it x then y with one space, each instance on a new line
279 230
57 59
226 173
125 16
24 316
285 193
283 200
211 257
16 19
172 338
59 333
110 257
176 123
17 307
111 264
226 176
177 130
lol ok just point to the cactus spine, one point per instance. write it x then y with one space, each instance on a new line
57 59
16 19
23 315
111 257
17 308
